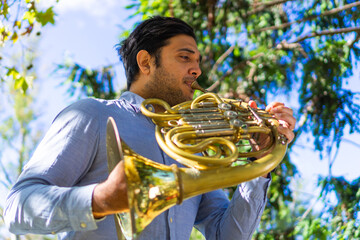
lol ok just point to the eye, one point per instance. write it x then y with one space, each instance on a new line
185 57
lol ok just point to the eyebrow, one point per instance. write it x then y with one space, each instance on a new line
190 51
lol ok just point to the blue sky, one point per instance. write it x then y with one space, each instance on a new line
87 30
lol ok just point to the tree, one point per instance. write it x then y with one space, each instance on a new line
18 140
258 49
20 27
20 20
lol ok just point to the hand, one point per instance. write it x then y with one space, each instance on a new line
110 196
284 115
286 119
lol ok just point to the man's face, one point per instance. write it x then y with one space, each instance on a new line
179 67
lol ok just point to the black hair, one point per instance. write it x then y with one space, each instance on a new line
150 35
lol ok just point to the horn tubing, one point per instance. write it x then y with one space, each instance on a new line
154 187
226 177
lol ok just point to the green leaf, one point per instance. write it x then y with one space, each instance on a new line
4 9
30 17
46 17
17 24
237 51
20 83
14 37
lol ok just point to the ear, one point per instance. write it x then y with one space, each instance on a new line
143 59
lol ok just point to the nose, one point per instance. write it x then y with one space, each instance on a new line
195 71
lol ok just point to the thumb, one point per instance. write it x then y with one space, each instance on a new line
252 104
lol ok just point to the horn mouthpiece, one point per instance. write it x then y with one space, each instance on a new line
195 85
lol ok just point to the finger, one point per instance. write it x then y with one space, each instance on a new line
286 120
282 109
284 124
287 132
286 114
273 105
252 104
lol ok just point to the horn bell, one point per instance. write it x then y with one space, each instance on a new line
153 188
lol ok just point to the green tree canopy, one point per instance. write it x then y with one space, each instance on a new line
20 20
20 27
303 49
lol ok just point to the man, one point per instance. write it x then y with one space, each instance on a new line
65 187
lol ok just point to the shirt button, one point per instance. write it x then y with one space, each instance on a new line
171 220
83 225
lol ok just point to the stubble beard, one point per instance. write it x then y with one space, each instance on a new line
163 86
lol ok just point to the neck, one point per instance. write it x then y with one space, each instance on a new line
157 108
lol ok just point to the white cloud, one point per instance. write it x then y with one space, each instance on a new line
94 8
107 12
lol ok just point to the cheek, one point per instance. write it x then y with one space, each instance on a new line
176 69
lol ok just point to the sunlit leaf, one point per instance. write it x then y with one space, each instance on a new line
46 17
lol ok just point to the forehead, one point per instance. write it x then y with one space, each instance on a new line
182 42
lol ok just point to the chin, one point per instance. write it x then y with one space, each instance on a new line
189 98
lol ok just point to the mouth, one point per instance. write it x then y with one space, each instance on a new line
188 83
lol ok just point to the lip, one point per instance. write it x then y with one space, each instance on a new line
189 83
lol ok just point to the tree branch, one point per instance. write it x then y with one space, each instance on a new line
219 60
252 71
351 142
280 46
7 176
291 46
328 32
171 9
357 38
259 7
210 23
269 4
326 13
228 72
308 210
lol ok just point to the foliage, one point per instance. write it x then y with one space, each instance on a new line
18 139
20 20
300 49
255 49
196 235
20 27
305 50
92 82
344 215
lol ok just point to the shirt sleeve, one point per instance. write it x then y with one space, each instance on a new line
47 197
238 219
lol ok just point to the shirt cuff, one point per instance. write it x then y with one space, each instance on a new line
256 188
80 210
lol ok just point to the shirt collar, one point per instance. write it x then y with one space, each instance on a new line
133 99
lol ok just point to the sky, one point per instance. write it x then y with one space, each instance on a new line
88 30
85 30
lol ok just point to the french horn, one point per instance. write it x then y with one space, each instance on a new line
213 138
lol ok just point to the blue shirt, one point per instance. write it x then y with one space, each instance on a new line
53 194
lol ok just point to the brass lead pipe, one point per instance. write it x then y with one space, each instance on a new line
195 85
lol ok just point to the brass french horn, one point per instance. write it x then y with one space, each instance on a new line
211 136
